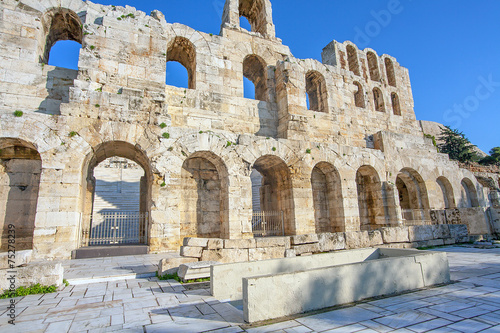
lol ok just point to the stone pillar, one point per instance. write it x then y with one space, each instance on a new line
304 221
350 200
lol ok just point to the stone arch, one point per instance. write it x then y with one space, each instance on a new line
327 198
317 91
255 69
100 153
352 59
20 171
447 190
58 24
359 96
182 50
373 66
389 68
396 107
276 193
255 12
412 192
469 194
378 100
204 205
370 198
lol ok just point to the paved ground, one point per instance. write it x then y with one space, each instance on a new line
148 305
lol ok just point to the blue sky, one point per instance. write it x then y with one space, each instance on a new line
451 47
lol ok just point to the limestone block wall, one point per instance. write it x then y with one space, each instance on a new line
346 147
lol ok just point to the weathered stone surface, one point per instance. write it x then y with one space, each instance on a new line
273 241
331 241
420 233
215 243
195 270
363 239
21 258
304 239
46 274
191 251
290 253
458 231
225 255
239 243
171 265
395 235
266 253
441 231
306 248
195 242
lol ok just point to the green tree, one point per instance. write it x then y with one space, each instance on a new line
456 145
493 159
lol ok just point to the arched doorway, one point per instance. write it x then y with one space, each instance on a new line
413 198
204 204
370 199
447 191
327 198
275 214
20 169
469 194
117 196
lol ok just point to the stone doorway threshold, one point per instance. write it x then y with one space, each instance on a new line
109 251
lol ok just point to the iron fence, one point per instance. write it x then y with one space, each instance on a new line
268 223
114 228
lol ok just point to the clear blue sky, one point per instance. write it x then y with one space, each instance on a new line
451 47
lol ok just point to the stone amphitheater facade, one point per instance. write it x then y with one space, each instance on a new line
354 159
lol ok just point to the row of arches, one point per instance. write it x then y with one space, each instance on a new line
378 99
373 66
204 203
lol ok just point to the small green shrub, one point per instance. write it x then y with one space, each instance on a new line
119 18
92 47
163 184
201 132
18 113
274 149
66 283
178 279
97 106
23 291
308 151
72 134
166 135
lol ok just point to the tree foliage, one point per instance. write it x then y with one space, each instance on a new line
493 159
456 145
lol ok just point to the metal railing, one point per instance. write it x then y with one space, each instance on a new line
114 228
416 217
268 223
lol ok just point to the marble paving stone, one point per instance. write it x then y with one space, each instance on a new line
404 319
469 325
338 318
429 325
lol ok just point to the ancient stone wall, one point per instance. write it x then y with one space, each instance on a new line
360 128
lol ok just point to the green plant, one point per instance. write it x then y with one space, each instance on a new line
433 138
201 132
178 279
66 283
18 113
163 184
92 47
97 106
456 145
308 151
99 89
32 290
163 125
119 18
274 149
211 35
170 148
72 134
228 144
166 135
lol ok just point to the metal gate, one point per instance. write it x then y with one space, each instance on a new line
268 224
115 228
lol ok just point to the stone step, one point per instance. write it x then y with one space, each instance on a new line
195 270
109 251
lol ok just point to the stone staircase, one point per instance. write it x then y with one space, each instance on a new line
113 194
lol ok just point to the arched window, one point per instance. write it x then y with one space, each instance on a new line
378 100
389 68
396 108
253 11
359 96
316 91
255 70
352 59
373 66
59 25
447 190
181 50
